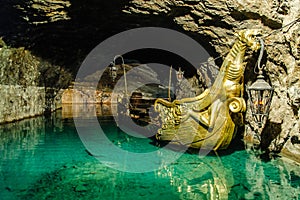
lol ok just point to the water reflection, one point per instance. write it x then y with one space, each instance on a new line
40 155
22 135
196 178
271 180
238 176
18 147
88 110
31 147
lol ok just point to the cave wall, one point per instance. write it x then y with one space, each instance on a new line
64 32
22 85
218 20
21 96
18 102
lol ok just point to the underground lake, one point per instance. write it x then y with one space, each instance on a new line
44 158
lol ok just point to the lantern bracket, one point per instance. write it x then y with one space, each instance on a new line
260 93
261 53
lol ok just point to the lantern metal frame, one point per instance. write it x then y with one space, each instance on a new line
113 72
113 69
260 94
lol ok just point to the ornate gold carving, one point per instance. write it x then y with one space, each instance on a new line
210 119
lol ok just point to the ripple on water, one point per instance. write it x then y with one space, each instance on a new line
43 160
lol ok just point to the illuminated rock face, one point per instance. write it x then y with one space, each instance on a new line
18 102
21 96
216 21
22 89
65 31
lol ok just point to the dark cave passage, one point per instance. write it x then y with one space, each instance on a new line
167 58
67 42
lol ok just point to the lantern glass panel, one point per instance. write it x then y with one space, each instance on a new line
113 72
260 103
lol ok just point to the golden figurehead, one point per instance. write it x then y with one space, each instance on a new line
210 120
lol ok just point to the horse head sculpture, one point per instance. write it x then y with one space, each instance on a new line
210 120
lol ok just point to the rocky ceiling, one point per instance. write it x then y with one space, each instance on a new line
64 32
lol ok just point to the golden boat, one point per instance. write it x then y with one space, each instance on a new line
210 120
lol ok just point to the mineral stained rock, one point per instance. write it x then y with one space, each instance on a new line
70 24
218 20
23 84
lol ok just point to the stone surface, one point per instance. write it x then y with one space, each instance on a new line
39 12
18 66
21 96
23 85
65 31
217 21
18 102
85 95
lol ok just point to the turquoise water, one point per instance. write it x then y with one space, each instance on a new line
44 158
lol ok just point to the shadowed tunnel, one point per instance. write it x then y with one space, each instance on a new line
67 42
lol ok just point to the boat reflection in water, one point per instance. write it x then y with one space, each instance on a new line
199 178
45 159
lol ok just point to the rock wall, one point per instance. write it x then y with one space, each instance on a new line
85 95
65 31
22 93
216 21
19 102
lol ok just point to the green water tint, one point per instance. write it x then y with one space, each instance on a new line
45 159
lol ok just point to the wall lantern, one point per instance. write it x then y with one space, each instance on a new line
113 72
260 94
179 75
112 67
